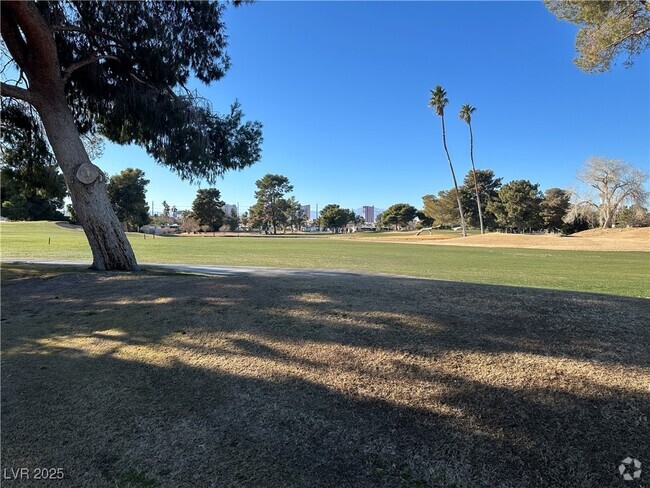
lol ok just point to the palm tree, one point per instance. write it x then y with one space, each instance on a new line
465 114
438 101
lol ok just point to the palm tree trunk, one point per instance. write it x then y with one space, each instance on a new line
471 156
453 175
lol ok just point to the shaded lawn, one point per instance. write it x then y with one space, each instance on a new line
178 380
619 273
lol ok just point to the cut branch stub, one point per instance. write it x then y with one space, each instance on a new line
87 173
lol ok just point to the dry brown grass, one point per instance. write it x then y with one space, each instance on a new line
186 381
635 233
624 239
636 239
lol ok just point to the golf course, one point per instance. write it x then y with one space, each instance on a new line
617 273
168 378
328 244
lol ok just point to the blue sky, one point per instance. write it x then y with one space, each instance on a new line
342 90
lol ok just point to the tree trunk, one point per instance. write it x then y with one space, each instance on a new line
110 247
471 156
607 218
453 175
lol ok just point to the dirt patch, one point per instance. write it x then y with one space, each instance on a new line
185 381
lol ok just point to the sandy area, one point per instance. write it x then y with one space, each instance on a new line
637 239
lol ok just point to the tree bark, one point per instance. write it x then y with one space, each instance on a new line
31 45
607 218
453 175
110 247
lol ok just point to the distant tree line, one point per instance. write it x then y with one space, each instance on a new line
612 193
617 197
616 189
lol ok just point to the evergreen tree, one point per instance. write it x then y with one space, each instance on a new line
554 208
232 221
518 206
207 208
607 30
488 188
269 212
399 215
121 69
126 191
31 187
335 218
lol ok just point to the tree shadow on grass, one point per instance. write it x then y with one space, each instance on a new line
320 381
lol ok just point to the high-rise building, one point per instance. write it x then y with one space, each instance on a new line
227 208
306 210
369 213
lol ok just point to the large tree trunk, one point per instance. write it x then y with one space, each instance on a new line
31 44
110 247
607 218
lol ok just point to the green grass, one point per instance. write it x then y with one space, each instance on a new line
618 273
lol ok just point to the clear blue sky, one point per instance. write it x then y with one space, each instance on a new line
342 90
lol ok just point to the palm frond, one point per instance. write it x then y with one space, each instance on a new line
438 100
466 112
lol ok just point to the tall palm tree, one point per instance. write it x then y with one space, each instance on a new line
465 114
438 101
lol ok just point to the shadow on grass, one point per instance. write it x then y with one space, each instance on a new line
157 380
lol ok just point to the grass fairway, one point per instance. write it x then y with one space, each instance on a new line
159 380
620 273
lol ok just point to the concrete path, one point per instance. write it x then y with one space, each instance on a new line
222 270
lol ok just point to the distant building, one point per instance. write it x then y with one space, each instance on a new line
369 213
227 208
306 210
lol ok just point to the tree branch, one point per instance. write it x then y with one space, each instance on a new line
640 32
14 41
43 56
140 80
80 64
11 60
12 91
585 202
82 30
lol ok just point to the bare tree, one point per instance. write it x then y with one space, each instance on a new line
582 216
616 184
